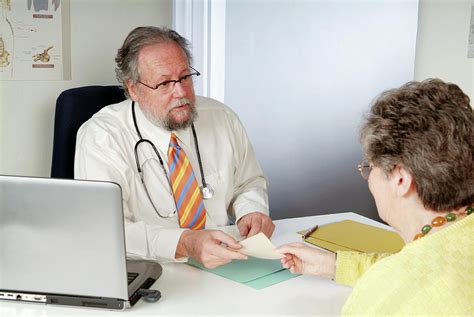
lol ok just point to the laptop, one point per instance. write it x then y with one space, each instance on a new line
62 242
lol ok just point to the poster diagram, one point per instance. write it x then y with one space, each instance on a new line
31 40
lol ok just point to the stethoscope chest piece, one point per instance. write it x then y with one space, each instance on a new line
207 192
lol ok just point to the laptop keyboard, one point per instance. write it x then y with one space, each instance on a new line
131 277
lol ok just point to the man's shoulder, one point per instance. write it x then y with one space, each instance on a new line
110 118
211 106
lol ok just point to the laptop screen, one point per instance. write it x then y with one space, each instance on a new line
62 237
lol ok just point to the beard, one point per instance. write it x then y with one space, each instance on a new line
172 121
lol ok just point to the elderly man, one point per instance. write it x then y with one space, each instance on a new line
184 162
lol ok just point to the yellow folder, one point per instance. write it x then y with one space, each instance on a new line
350 235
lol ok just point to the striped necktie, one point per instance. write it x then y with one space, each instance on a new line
191 210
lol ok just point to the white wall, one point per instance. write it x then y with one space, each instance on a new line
443 32
302 86
98 28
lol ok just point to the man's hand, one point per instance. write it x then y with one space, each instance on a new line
205 247
255 222
305 260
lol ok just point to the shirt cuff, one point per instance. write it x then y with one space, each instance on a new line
345 272
150 242
351 265
250 202
165 243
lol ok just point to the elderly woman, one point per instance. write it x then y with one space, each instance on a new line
419 144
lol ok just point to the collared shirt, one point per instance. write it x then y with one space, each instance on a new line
105 151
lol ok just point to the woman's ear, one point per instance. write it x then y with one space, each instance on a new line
402 181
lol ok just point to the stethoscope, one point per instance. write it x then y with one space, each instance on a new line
206 189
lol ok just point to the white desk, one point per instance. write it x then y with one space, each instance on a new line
189 291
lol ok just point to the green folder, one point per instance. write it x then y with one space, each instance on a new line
254 272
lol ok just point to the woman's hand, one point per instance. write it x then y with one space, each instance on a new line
306 260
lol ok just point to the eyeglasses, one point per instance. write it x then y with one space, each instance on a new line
167 86
365 168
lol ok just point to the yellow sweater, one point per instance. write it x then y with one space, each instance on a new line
431 276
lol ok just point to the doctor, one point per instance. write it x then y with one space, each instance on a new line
184 163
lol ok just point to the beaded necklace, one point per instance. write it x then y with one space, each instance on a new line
439 221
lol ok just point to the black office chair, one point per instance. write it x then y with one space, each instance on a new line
74 107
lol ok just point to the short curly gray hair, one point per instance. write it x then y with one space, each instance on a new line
428 128
127 55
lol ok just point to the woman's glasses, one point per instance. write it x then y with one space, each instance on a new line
365 168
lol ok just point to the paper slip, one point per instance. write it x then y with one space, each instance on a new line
259 246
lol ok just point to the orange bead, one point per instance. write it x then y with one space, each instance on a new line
418 236
438 221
